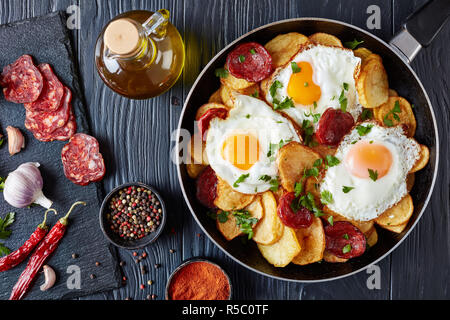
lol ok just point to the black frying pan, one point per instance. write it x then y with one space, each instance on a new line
417 32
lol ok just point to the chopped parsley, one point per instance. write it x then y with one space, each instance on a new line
265 178
347 248
306 84
326 197
364 130
1 141
388 122
295 67
255 94
330 220
2 183
352 44
345 236
346 189
285 104
252 51
373 174
315 105
241 58
240 180
274 87
343 101
316 116
273 148
248 116
366 114
245 221
345 85
222 216
298 188
274 184
308 130
331 161
306 201
221 73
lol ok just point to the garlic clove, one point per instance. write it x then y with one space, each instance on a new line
50 278
16 141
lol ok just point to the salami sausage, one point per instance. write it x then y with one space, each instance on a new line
82 161
207 187
22 81
333 126
250 61
344 240
292 215
52 92
203 122
60 134
46 122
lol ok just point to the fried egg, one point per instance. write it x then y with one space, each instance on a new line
317 78
371 174
242 148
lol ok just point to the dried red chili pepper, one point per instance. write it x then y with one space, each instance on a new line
40 255
16 257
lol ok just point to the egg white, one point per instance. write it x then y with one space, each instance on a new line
371 198
332 67
252 116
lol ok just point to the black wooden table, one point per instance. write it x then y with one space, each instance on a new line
139 133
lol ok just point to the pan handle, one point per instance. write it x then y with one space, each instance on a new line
421 28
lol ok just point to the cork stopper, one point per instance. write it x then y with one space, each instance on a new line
122 36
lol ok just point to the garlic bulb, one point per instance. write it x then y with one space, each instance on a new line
24 187
16 141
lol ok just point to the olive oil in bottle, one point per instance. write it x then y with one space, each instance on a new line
140 54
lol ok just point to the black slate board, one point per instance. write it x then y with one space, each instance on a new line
47 40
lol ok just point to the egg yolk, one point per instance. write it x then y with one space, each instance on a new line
365 155
241 150
301 87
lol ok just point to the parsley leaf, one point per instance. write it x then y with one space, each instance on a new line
346 189
332 161
5 223
298 188
265 178
326 197
345 236
285 104
245 221
255 94
352 44
330 220
252 51
241 58
373 174
396 109
248 116
2 183
240 179
222 216
366 114
274 87
295 67
364 130
221 73
345 85
308 130
274 184
347 248
4 250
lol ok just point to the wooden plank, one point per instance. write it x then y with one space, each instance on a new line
420 265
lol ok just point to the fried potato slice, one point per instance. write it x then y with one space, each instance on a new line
283 47
393 93
215 97
371 237
331 258
228 199
270 228
398 214
312 242
235 83
197 150
406 115
264 87
410 178
211 105
194 170
362 53
372 84
423 160
324 150
396 229
292 159
230 229
281 253
325 39
229 95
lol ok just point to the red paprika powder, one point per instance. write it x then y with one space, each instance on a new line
199 281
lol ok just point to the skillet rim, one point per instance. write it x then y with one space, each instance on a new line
348 26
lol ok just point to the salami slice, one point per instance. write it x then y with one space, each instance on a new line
292 214
250 61
46 122
22 81
207 187
82 161
344 240
203 122
52 92
60 134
